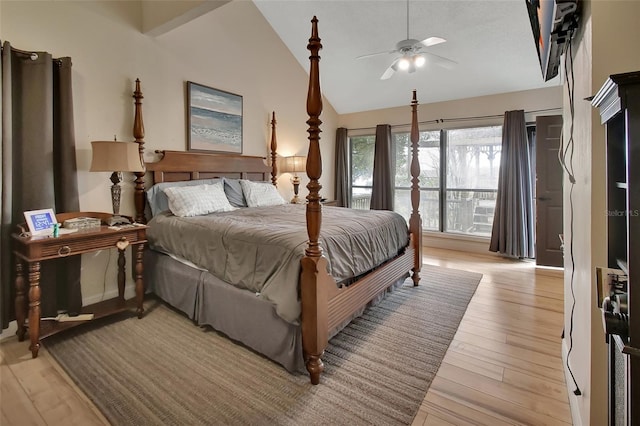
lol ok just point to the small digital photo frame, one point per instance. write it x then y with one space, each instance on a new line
40 222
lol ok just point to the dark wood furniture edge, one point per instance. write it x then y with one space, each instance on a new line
415 221
138 134
203 165
322 306
314 279
274 151
30 252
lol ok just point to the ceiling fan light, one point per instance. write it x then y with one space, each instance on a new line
419 60
404 63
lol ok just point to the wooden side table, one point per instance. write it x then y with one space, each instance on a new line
30 251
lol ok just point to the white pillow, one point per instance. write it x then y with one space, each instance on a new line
261 194
187 201
157 199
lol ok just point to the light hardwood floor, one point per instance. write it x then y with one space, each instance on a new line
503 367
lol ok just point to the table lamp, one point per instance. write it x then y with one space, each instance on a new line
116 157
295 164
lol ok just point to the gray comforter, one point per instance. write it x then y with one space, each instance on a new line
259 249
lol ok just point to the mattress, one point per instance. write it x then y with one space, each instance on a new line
259 249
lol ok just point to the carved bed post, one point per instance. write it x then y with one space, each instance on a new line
415 221
274 151
314 265
138 134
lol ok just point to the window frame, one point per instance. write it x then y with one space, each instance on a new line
442 190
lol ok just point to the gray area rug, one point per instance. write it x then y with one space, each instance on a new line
164 370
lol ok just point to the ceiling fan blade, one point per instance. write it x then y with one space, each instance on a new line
375 54
432 41
387 74
390 71
441 61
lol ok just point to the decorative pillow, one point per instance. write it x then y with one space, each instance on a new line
261 194
233 189
197 200
157 199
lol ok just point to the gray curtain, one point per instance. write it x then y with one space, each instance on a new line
383 170
513 223
342 191
38 168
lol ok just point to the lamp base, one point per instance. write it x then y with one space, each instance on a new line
117 220
296 184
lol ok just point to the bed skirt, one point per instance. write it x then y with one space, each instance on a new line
237 313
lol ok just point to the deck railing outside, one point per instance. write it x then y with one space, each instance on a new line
468 212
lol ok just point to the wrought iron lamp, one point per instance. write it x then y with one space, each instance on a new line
294 165
116 157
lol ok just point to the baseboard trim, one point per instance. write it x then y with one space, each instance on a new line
449 241
573 398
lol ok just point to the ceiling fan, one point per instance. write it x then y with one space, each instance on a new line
411 56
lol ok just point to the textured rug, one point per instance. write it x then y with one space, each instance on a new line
164 370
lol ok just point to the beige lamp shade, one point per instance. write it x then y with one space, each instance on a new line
113 156
294 164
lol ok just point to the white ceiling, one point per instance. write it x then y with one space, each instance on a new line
491 41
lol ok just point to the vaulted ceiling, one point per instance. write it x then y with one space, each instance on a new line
490 42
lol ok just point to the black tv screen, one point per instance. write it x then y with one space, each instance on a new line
552 22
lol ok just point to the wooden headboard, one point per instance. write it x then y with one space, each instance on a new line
176 166
188 165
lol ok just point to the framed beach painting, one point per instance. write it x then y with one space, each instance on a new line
215 119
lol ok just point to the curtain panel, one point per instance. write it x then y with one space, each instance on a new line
382 188
513 224
38 168
342 189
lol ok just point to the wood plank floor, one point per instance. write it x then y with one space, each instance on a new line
504 366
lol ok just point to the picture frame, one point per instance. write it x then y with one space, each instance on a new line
214 119
40 222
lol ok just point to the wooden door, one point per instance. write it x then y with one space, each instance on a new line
548 191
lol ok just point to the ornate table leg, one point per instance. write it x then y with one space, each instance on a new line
19 302
34 307
121 276
139 283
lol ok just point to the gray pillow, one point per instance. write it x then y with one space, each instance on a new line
233 190
157 199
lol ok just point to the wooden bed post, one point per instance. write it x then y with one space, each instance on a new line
274 151
415 221
314 266
138 134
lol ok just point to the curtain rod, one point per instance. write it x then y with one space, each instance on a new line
32 55
445 120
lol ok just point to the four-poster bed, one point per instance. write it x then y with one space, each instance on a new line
325 305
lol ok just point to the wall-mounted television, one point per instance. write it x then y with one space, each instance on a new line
552 23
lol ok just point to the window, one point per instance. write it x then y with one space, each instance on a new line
458 177
429 180
472 169
362 148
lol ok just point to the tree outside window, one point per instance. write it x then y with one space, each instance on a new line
470 176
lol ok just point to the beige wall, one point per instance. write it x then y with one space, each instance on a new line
548 99
608 36
159 17
233 49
